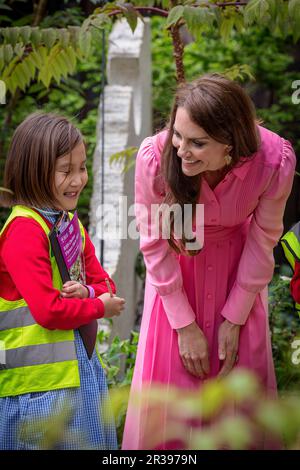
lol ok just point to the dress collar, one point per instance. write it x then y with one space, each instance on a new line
242 170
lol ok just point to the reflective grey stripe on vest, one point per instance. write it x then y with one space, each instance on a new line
15 318
296 230
39 354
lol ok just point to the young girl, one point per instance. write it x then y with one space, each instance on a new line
45 367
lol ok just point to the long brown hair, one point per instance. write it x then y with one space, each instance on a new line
224 110
30 165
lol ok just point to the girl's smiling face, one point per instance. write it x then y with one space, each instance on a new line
70 177
198 151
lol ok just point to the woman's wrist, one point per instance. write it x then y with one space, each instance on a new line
187 328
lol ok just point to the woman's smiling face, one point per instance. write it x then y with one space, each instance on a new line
198 151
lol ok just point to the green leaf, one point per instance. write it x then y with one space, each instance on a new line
68 59
45 76
5 7
26 72
273 8
25 33
64 37
165 4
8 52
85 42
36 37
19 49
56 71
62 64
226 27
74 35
212 398
236 432
294 9
241 72
8 70
30 64
130 13
11 35
241 385
131 20
5 18
239 22
11 84
49 36
294 16
125 157
98 21
174 15
198 19
18 73
107 8
39 57
72 56
255 10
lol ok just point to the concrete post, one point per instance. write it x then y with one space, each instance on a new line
127 120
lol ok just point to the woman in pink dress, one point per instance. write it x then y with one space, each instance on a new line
205 311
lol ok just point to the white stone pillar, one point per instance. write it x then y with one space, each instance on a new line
127 121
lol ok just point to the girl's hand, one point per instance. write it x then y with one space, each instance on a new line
73 289
112 305
193 350
228 346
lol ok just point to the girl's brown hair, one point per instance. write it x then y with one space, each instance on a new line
30 165
224 110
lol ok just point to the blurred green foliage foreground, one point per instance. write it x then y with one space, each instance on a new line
232 413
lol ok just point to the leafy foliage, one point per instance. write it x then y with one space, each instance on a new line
48 53
114 353
125 158
27 53
266 65
76 97
118 359
254 414
285 327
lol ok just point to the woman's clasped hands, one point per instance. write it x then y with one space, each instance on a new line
194 353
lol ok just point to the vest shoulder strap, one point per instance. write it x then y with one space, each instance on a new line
23 211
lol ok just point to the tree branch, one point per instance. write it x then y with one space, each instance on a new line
154 10
161 12
40 9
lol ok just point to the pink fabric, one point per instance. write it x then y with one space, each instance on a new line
227 279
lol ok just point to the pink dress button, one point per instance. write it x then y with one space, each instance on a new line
209 268
209 296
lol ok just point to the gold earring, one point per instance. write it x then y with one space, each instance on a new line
228 159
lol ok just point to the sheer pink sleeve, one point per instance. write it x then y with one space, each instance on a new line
257 262
163 269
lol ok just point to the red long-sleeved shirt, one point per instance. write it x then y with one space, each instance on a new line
25 272
295 283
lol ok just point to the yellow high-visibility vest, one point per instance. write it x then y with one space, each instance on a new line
33 358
